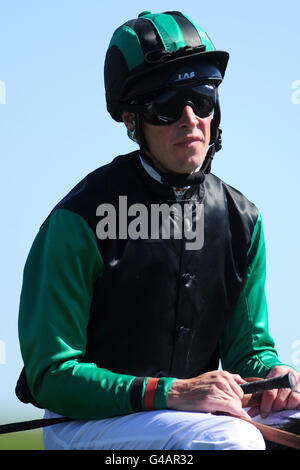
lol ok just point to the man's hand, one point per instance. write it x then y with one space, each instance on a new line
216 391
281 399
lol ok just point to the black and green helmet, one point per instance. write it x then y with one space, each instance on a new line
145 52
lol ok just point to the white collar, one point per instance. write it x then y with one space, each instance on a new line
179 192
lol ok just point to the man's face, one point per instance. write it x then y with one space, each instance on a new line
180 147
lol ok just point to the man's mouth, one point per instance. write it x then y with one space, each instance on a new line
188 141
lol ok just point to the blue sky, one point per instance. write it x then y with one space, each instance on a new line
54 128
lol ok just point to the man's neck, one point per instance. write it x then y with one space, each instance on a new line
179 192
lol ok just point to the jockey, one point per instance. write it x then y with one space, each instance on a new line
143 307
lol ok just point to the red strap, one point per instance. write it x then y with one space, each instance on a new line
150 393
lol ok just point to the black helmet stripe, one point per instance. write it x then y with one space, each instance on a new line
188 30
147 34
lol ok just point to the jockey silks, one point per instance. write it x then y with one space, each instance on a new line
105 311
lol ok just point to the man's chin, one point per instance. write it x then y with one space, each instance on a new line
183 163
190 166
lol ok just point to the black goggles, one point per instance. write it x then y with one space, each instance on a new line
167 107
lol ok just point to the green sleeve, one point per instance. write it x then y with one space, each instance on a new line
246 347
59 277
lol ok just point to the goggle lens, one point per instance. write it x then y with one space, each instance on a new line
167 107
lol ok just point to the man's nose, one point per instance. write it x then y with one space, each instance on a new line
188 116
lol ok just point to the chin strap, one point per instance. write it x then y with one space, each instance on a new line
180 180
190 179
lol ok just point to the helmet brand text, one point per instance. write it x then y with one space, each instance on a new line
185 76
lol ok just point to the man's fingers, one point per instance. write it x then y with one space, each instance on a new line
277 400
281 399
239 380
240 412
215 391
233 409
292 401
230 384
268 398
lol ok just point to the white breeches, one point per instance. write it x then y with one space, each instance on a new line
155 430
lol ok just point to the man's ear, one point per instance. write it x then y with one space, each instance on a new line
129 120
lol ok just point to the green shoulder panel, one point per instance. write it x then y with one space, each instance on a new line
61 270
246 346
62 267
